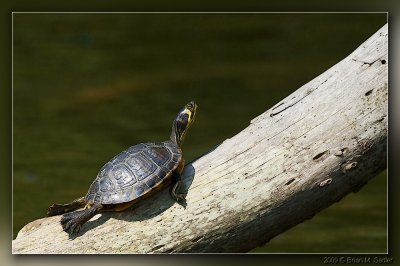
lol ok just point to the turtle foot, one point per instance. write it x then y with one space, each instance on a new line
56 209
72 222
178 197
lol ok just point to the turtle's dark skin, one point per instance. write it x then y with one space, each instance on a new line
130 176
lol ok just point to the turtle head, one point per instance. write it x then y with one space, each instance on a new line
182 122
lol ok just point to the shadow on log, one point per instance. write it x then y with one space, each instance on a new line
320 143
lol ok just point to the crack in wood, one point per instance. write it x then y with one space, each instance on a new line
369 92
308 92
287 107
383 61
319 155
290 181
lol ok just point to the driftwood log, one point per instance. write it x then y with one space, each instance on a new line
325 140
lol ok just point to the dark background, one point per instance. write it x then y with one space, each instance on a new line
87 86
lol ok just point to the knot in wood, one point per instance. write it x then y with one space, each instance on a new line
348 166
326 182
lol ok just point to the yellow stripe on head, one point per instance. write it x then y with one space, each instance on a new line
189 113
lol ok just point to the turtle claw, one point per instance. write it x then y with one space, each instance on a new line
71 223
74 229
178 197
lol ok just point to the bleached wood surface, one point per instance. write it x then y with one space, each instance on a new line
320 143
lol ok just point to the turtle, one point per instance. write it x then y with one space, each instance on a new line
130 176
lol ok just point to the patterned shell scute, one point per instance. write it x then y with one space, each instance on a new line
134 172
141 165
123 176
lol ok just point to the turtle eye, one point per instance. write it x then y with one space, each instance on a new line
191 106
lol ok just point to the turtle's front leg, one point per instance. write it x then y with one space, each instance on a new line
176 183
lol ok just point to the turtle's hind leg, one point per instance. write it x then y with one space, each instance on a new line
73 221
57 209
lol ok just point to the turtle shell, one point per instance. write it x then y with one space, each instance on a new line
134 172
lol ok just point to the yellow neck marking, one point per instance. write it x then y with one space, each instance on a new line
189 113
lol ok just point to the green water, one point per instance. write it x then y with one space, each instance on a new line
87 86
